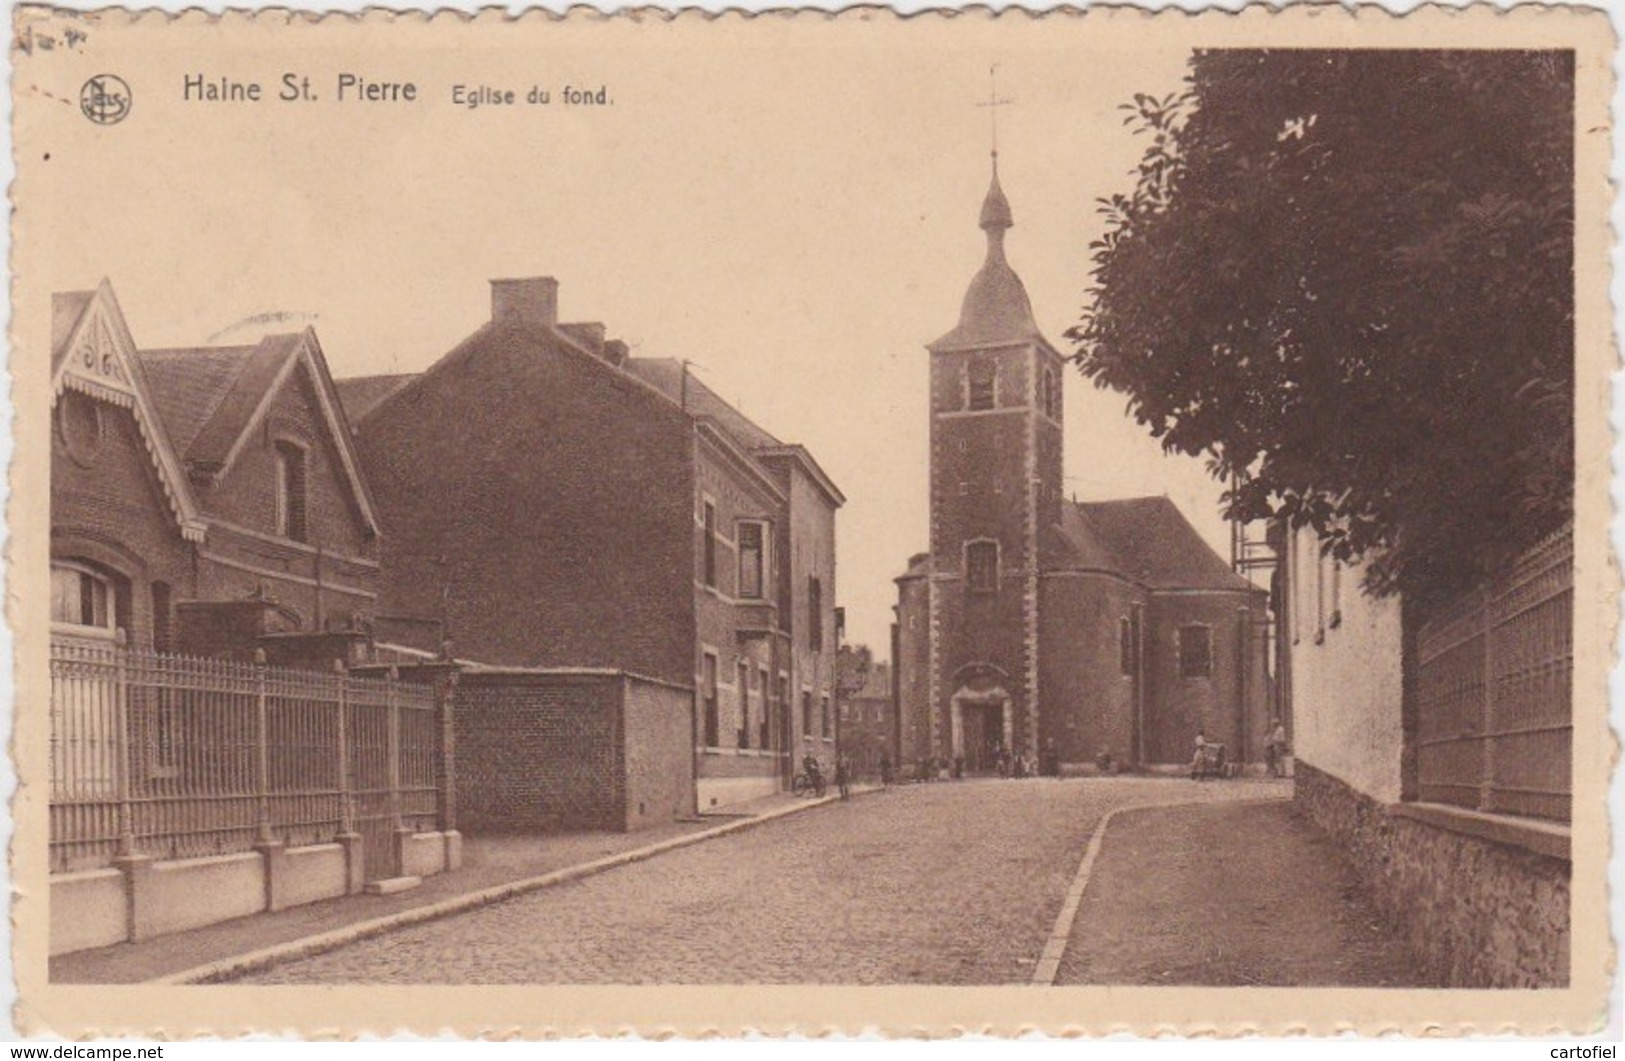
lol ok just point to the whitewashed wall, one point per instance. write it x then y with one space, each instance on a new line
1345 674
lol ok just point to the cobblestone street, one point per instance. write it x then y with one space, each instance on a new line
942 883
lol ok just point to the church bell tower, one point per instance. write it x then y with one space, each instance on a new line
995 489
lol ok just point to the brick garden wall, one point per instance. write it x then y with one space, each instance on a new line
658 724
545 752
537 752
1478 913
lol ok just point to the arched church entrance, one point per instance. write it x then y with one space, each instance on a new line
983 727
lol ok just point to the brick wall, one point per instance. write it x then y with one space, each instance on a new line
1088 700
543 752
1177 706
108 509
538 752
1478 913
543 501
913 659
246 495
658 724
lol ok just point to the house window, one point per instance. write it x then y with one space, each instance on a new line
823 718
981 375
1052 394
79 426
982 566
1195 651
291 499
708 689
764 738
806 714
815 614
752 559
710 546
1125 645
744 706
82 598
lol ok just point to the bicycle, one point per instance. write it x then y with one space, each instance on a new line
808 783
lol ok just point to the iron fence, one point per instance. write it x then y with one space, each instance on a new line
175 756
1495 691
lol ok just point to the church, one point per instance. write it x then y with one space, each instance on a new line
1080 635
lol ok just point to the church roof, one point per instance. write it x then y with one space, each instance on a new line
1147 540
996 308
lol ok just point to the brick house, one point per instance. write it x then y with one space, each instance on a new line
213 555
557 507
201 498
868 716
1048 628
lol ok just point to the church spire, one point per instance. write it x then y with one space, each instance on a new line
996 307
996 216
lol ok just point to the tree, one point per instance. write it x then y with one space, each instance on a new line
1346 279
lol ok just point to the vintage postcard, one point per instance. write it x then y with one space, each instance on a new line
552 525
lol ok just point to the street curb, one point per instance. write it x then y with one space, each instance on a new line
1049 961
253 961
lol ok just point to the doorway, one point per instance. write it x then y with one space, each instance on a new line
983 737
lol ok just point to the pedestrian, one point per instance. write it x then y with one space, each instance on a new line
1019 770
1275 749
843 775
1199 760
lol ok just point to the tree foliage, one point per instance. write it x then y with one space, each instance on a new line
1346 278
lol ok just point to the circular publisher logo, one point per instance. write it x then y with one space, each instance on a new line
105 99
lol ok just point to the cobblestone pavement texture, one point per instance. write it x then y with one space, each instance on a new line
955 883
1229 895
487 861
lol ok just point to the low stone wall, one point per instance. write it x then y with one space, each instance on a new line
1484 900
142 898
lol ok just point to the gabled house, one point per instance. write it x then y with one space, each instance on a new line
560 510
213 555
202 497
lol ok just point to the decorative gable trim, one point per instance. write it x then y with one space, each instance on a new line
98 360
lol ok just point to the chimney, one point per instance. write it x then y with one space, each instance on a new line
532 300
616 353
590 335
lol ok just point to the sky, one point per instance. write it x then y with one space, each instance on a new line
795 215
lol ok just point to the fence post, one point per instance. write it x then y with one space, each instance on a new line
355 875
346 807
396 819
446 697
262 752
121 737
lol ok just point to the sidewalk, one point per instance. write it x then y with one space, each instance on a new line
490 863
1240 895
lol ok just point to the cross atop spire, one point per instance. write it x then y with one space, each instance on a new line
994 102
